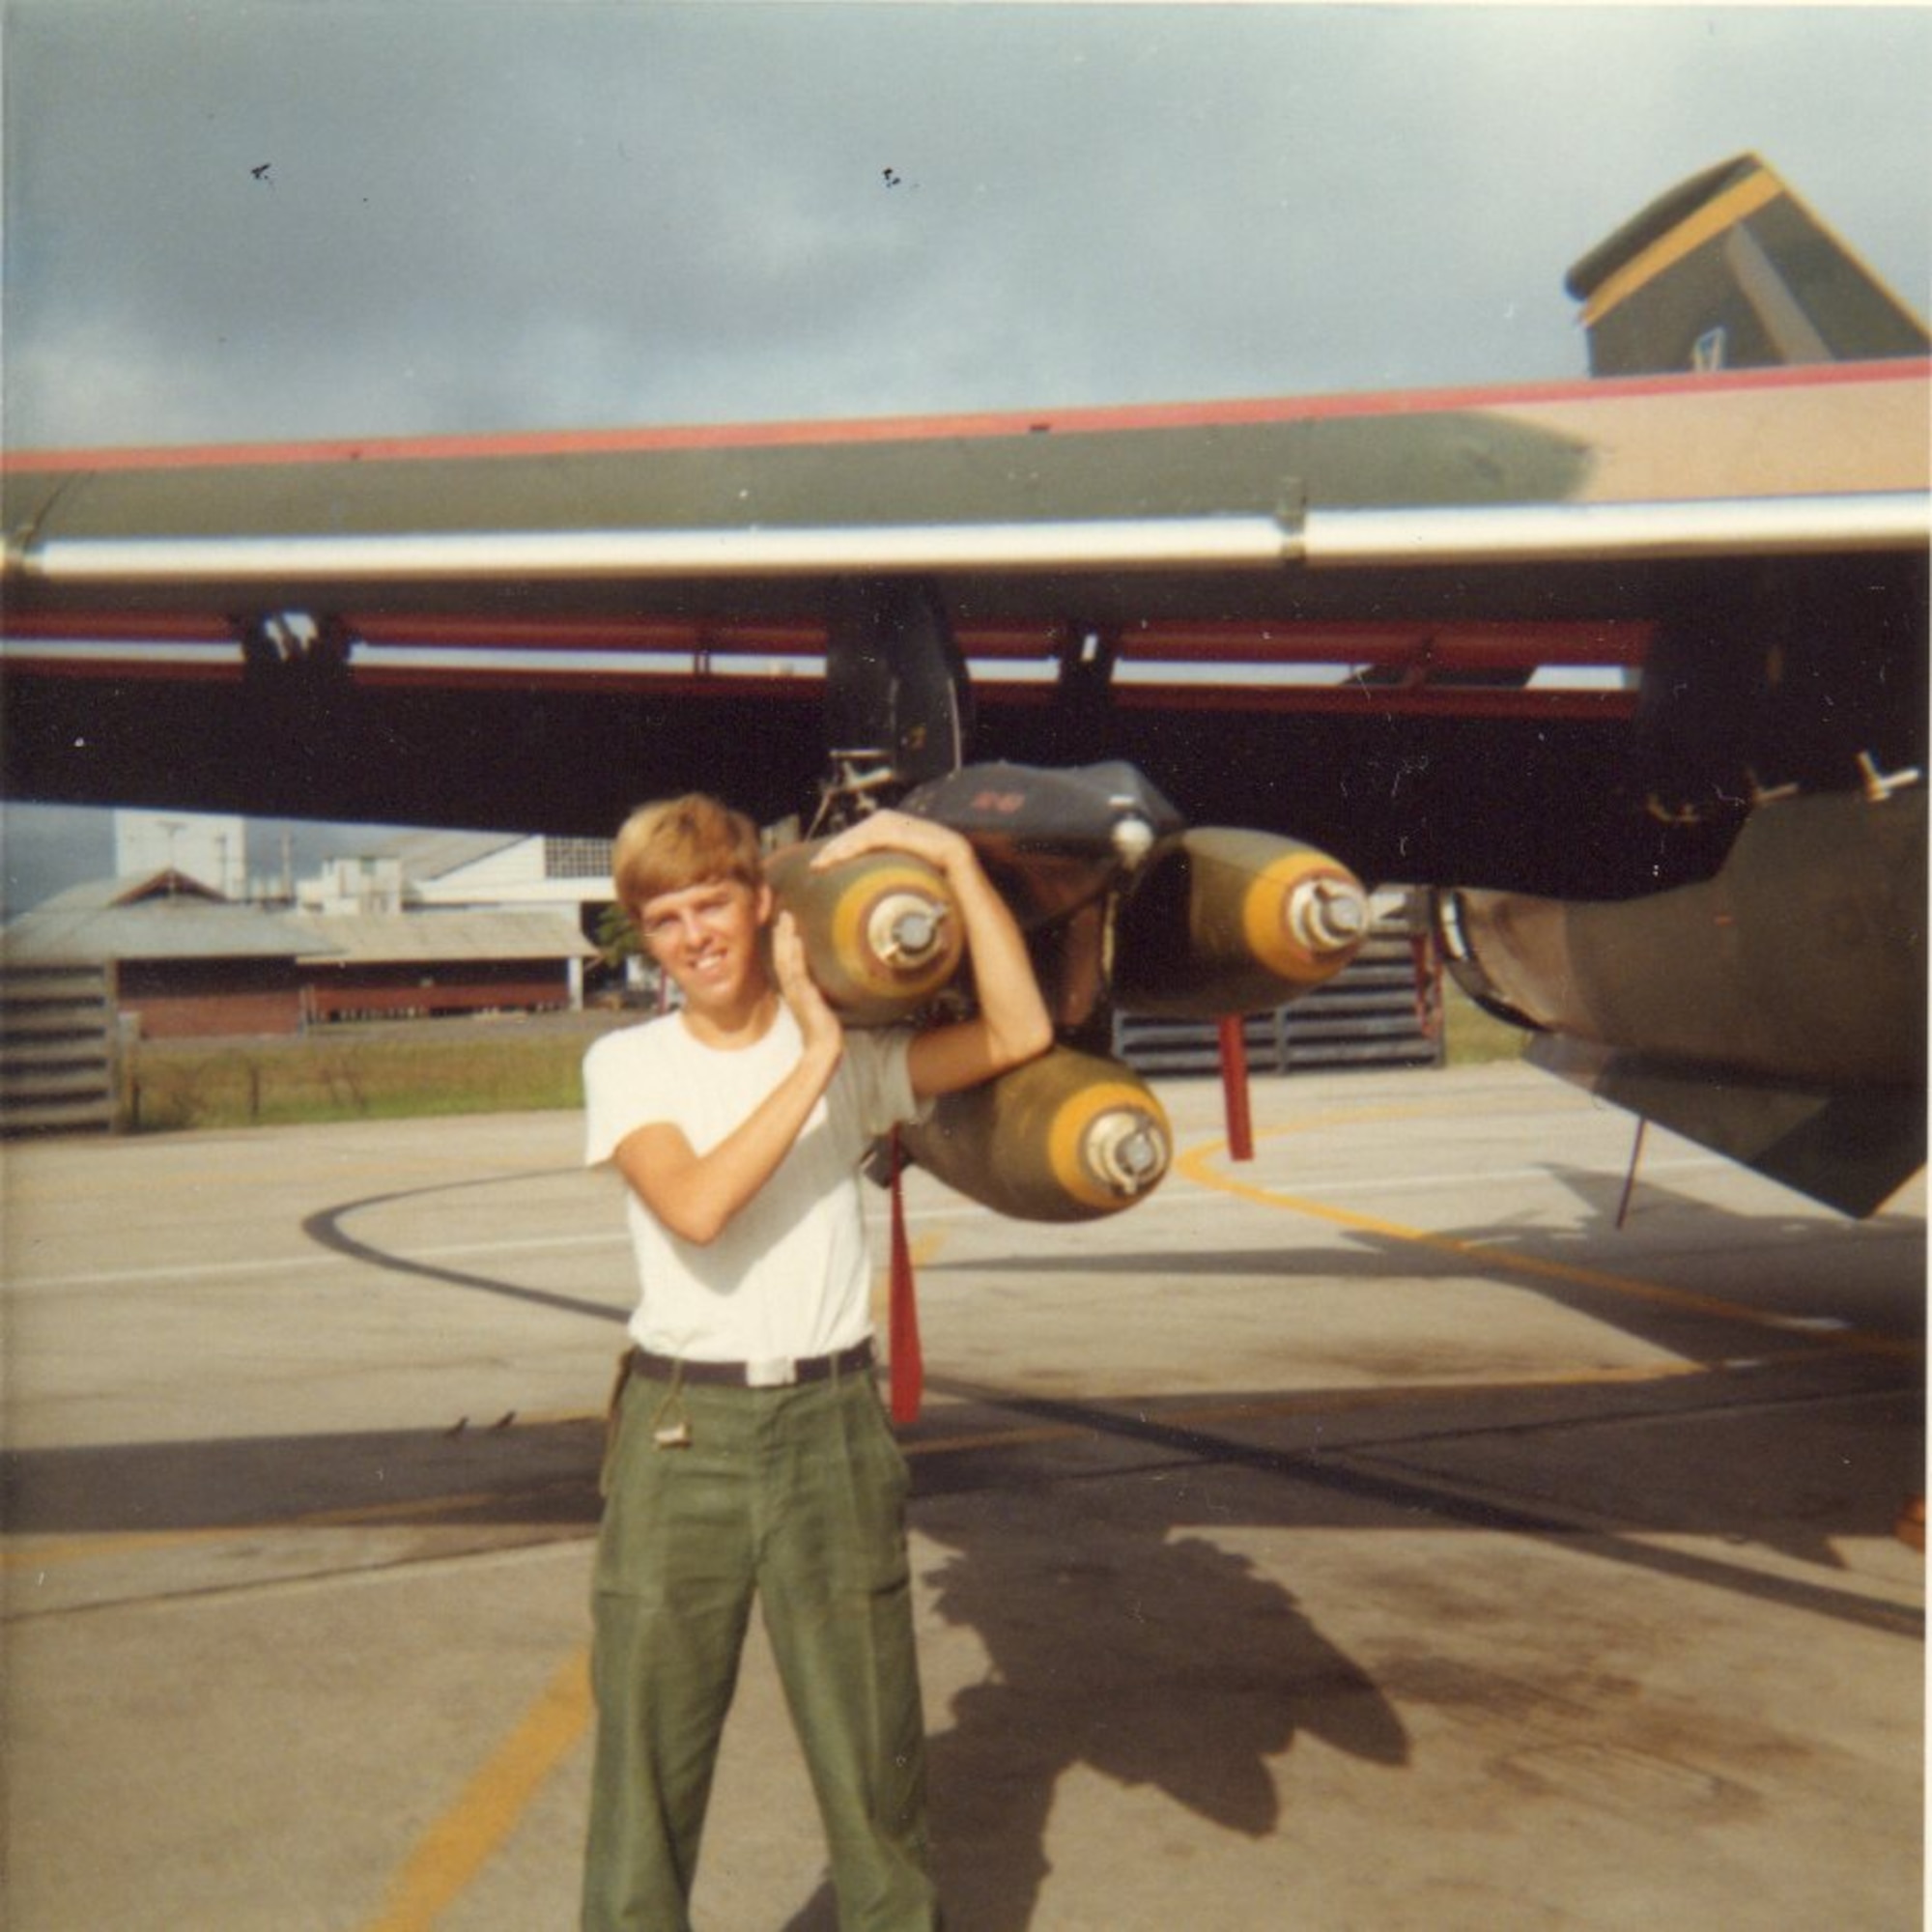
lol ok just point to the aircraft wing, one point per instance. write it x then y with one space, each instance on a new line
541 628
1247 508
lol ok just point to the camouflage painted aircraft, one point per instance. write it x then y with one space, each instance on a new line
1631 670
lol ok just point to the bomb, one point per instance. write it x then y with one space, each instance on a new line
881 932
1068 1137
1220 920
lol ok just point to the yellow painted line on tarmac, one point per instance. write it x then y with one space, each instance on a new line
450 1854
1195 1163
31 1555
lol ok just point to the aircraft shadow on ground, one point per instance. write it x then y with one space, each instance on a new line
1582 1460
518 1473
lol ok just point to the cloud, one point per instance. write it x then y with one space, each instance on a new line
512 213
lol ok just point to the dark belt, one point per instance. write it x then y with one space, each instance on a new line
782 1372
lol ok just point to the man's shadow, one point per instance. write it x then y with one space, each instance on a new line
1151 1656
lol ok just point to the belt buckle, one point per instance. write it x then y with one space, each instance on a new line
775 1372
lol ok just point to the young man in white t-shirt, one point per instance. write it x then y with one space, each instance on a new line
751 1455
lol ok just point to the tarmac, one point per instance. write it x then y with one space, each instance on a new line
1400 1529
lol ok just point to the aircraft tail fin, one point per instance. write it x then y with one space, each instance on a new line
1731 271
1851 1150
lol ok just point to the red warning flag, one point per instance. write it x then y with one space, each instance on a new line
908 1364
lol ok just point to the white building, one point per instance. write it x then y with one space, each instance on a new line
208 846
504 871
500 872
347 887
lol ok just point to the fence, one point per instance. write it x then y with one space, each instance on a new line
1368 1016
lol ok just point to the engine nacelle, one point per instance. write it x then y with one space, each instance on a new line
881 932
1068 1137
1221 921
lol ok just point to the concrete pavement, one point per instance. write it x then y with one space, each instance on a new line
1369 1536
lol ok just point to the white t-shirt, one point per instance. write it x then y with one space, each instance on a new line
789 1275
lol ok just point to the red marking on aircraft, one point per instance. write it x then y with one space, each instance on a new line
968 426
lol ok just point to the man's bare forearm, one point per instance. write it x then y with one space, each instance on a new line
696 1196
1010 1007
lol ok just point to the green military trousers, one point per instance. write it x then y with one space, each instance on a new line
797 1496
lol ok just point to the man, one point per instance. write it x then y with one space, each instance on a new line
751 1453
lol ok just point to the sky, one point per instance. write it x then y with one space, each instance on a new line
242 219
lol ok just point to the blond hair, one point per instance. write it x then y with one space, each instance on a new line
679 843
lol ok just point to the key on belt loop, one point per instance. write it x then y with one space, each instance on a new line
670 1424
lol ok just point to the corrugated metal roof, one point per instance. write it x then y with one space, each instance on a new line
155 928
429 855
370 939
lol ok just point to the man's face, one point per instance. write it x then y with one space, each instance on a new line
706 938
